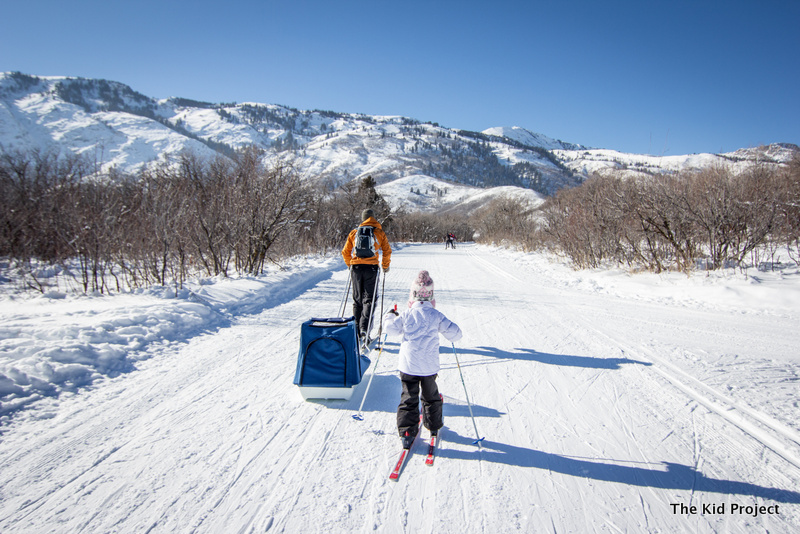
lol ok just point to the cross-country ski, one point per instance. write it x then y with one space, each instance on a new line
401 462
408 443
433 441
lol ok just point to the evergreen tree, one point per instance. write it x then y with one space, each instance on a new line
372 199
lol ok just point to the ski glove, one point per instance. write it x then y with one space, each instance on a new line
386 270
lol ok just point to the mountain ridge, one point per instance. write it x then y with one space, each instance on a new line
122 128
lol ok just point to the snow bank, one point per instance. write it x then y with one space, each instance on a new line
55 342
753 291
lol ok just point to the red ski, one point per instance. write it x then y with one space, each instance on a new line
395 474
433 442
431 450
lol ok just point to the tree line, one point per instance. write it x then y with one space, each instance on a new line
182 217
165 224
714 217
190 216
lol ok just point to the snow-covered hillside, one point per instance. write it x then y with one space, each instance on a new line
608 403
39 119
118 127
587 162
528 138
115 126
426 194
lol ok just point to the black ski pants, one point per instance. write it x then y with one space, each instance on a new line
408 410
364 278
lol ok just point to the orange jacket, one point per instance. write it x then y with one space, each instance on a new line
380 241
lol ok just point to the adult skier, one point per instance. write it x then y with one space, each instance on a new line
419 326
361 254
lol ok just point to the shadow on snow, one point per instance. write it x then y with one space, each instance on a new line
384 395
672 476
532 355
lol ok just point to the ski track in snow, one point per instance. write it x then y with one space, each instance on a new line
599 411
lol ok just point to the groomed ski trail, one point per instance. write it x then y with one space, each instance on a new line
588 402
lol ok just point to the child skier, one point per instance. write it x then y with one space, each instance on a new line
419 326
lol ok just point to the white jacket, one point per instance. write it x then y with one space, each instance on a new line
420 327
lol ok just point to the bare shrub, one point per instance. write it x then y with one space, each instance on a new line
590 223
787 230
504 220
154 228
670 221
265 204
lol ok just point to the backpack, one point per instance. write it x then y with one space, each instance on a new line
365 239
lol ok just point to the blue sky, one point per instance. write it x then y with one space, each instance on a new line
646 76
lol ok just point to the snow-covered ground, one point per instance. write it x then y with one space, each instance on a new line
609 402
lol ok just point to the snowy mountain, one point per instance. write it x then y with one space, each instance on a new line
586 162
115 126
528 138
423 193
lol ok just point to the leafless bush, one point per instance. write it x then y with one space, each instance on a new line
266 203
505 220
787 229
429 227
734 214
670 221
154 228
37 195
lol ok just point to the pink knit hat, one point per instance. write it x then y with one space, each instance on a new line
421 289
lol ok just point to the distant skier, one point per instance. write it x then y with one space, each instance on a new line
360 253
419 326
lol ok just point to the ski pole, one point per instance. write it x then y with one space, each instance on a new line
372 306
383 291
477 440
360 416
346 291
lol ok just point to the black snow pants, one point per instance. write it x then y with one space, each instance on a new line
408 410
364 278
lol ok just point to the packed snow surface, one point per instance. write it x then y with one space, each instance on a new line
609 402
